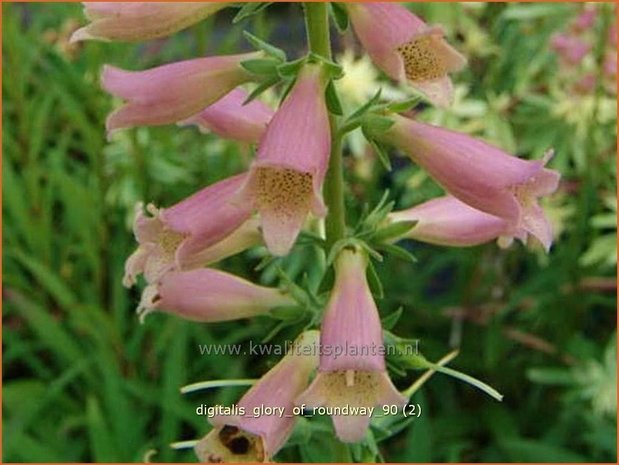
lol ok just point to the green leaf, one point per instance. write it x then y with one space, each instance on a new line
374 281
261 88
398 252
250 9
382 154
333 101
366 106
405 105
391 320
267 48
340 17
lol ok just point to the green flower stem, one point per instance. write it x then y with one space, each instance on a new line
319 41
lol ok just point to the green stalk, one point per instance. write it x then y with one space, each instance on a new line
319 42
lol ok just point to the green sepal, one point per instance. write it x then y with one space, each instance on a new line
269 49
340 17
333 101
249 9
263 67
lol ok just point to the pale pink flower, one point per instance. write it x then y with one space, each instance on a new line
183 236
585 19
481 175
136 21
249 438
610 64
571 49
171 93
352 369
448 221
405 48
286 177
208 295
231 119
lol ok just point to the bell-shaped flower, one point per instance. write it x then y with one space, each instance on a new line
207 295
183 236
231 119
257 438
448 221
405 48
136 21
171 93
481 175
352 369
285 179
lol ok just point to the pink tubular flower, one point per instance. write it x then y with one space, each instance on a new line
286 177
256 438
135 21
208 295
171 93
404 47
448 221
231 119
483 176
183 236
352 368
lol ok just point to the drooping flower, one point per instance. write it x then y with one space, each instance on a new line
286 177
231 119
171 93
450 222
252 438
405 48
183 236
352 368
136 21
208 295
481 175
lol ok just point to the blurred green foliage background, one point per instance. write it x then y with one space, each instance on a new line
83 381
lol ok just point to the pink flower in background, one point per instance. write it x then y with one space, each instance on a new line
286 177
586 19
136 21
174 92
208 295
481 175
405 48
256 439
231 119
448 221
352 369
586 84
571 49
610 65
182 236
